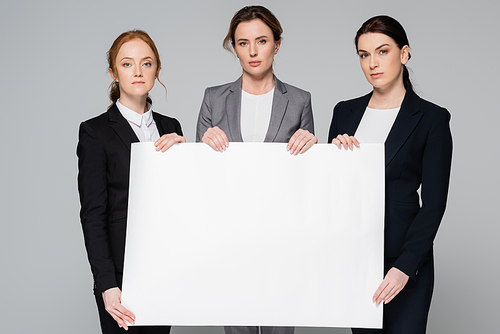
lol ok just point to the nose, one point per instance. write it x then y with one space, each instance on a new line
373 62
253 50
138 70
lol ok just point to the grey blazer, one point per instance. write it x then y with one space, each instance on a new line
221 107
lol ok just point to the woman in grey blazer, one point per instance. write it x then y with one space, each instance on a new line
257 107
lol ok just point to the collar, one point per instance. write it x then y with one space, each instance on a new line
134 117
278 85
410 104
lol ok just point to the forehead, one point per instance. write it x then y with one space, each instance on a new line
252 29
135 48
373 40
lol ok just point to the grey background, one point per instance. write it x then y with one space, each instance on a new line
53 76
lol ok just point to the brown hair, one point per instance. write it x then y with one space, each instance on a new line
388 26
114 87
250 13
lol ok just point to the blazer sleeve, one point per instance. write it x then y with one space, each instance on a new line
173 125
178 128
436 166
306 120
333 132
205 116
92 187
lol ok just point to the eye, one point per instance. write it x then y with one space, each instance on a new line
383 52
363 55
147 64
243 43
262 41
126 64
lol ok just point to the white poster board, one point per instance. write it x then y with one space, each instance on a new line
255 236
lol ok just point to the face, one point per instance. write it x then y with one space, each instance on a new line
136 67
255 47
382 60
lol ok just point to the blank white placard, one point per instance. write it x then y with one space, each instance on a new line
255 236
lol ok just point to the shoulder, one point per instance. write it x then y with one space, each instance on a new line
429 109
353 104
96 123
223 89
163 118
291 91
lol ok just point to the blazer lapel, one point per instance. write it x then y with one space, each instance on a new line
120 125
161 124
358 110
280 103
233 112
408 117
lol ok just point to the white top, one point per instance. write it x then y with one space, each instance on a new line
376 125
143 125
255 115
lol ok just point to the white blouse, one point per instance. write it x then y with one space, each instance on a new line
376 125
255 115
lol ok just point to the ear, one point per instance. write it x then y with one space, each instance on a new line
113 75
405 54
277 45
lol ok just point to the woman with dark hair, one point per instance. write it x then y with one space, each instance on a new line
418 150
257 107
103 169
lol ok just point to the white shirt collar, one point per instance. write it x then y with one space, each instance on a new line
134 117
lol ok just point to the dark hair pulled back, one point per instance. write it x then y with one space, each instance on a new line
387 25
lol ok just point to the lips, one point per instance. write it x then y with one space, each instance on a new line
254 63
376 75
138 83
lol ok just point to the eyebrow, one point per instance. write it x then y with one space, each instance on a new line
245 39
375 49
148 57
381 46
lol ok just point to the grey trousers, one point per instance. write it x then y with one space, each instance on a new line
255 330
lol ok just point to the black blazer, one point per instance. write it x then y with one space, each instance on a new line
417 153
103 179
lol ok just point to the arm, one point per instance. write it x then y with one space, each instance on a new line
173 135
306 120
205 133
304 137
92 186
436 165
335 137
204 117
333 132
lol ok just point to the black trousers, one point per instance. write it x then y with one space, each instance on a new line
255 330
407 313
110 326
